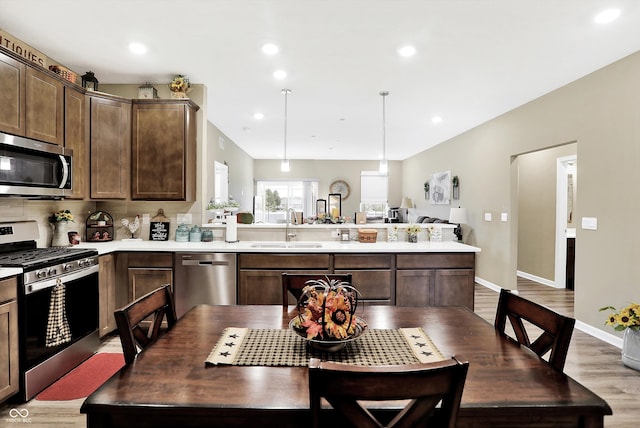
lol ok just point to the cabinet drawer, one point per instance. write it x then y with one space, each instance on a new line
150 260
436 261
283 261
8 289
363 261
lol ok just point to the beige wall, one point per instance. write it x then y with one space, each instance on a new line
602 114
327 171
537 210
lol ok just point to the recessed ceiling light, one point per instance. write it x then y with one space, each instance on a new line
607 16
270 49
280 74
407 51
436 119
258 116
137 48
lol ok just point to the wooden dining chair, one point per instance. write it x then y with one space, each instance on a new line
295 283
344 386
139 323
556 329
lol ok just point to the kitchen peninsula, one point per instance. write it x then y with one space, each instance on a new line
386 273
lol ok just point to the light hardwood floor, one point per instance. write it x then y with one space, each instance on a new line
592 362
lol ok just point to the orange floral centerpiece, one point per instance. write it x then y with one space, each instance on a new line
327 314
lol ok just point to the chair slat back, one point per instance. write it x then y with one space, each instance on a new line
295 283
344 386
139 322
556 329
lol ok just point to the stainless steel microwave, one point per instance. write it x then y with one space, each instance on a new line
34 169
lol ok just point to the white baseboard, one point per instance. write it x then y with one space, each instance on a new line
538 279
583 327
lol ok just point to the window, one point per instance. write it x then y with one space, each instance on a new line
274 198
373 194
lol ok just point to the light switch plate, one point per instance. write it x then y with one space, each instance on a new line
590 223
487 216
504 217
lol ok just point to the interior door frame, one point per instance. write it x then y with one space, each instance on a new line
562 166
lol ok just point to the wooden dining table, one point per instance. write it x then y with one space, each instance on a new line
168 385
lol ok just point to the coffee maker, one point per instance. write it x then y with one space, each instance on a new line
394 215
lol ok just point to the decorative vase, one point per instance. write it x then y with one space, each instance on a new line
392 235
631 348
412 237
60 235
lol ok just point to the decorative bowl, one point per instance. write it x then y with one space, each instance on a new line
331 344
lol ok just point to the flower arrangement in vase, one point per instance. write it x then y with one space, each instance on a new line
59 220
326 314
627 319
412 232
179 86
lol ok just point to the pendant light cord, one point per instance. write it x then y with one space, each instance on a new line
286 92
384 127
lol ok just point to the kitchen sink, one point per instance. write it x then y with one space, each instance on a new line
286 245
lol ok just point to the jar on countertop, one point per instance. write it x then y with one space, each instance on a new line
207 235
182 233
195 235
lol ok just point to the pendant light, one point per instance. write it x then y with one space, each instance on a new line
284 165
384 167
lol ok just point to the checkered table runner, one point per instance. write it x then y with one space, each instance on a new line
282 347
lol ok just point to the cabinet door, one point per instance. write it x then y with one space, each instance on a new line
107 290
74 139
454 287
44 107
12 95
110 144
9 375
264 287
163 151
375 285
145 280
413 287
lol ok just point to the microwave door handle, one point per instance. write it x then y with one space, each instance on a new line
65 171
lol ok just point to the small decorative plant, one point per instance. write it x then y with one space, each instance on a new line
60 216
628 317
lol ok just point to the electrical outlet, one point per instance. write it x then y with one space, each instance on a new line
184 218
487 216
504 217
145 218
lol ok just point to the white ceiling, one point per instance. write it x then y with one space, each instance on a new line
475 60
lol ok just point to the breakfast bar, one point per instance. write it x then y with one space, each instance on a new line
169 384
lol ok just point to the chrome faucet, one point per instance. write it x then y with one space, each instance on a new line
288 235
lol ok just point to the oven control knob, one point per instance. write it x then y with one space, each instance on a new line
85 263
67 267
52 271
41 274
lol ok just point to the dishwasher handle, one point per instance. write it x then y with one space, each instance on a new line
204 263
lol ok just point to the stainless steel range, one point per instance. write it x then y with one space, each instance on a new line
57 305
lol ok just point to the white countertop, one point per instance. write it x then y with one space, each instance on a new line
7 272
247 247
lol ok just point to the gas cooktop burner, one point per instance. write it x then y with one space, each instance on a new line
42 256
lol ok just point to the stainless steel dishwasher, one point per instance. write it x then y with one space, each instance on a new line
204 278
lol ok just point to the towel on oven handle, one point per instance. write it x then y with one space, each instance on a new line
58 330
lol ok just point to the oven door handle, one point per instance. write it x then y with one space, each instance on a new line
48 283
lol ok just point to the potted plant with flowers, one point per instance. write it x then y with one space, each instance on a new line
59 221
627 319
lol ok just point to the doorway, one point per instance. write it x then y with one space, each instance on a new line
545 211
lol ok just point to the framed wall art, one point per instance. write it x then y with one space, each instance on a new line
440 188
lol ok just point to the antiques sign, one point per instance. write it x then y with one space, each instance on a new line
22 49
159 231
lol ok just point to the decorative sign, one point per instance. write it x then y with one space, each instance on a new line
22 49
159 231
